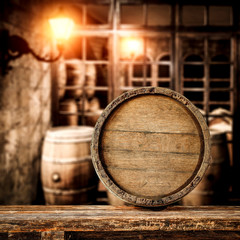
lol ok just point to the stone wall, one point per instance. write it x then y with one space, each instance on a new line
25 103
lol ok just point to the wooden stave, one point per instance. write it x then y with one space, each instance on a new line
111 186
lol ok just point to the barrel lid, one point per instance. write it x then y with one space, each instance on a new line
69 134
150 147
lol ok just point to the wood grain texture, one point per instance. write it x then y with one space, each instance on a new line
150 146
53 235
103 222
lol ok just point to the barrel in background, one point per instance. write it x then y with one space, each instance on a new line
114 200
67 173
214 187
75 78
68 113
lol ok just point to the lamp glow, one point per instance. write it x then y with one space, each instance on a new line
61 27
132 46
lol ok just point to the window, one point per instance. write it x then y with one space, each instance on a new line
97 14
193 15
164 64
220 15
132 14
193 79
193 67
159 15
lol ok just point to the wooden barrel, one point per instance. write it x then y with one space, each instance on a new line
67 173
89 105
224 125
75 78
68 113
114 201
94 105
92 117
83 105
94 112
90 81
150 147
62 78
214 187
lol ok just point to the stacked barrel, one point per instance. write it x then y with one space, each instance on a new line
78 104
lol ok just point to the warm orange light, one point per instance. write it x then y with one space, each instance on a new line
132 46
61 27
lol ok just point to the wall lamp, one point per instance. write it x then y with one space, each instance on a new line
131 47
14 46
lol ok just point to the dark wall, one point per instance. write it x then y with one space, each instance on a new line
25 101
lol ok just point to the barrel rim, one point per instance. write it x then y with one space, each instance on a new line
106 180
69 134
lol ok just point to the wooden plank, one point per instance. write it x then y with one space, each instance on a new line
137 160
53 235
119 219
150 184
164 142
152 113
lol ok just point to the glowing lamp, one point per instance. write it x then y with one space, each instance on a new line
132 46
14 46
61 27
